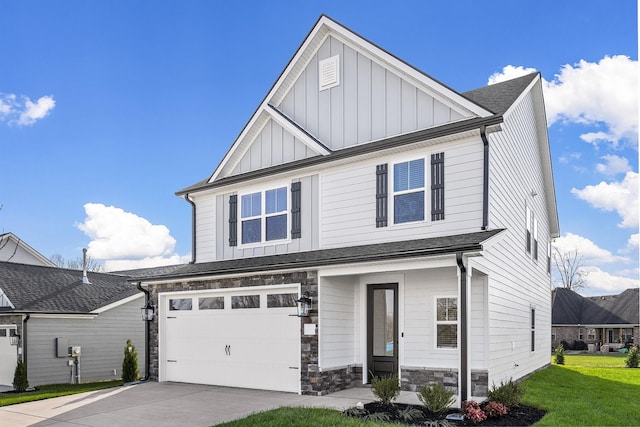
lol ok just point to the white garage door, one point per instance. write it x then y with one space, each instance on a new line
8 355
240 338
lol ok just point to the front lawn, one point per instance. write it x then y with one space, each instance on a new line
54 390
589 390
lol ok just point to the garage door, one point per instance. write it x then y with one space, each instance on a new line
241 338
8 353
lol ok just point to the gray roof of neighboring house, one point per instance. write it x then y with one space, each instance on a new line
313 259
569 308
34 288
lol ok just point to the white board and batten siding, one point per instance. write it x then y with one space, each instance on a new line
517 283
101 338
371 101
348 197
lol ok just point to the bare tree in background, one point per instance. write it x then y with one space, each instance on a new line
75 264
570 267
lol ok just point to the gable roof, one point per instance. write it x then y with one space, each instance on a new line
498 97
37 289
570 308
470 242
13 249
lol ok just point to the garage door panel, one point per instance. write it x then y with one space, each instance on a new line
239 347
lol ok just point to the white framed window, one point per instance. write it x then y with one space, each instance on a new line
533 329
535 238
446 322
553 334
591 334
408 191
263 216
528 215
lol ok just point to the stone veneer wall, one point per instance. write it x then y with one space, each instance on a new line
312 381
413 378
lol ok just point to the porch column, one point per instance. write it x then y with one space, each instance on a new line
464 279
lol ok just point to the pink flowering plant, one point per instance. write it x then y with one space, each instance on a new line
472 412
495 409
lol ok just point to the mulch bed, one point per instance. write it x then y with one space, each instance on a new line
521 415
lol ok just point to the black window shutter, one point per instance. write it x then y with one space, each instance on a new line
381 195
296 217
437 186
233 220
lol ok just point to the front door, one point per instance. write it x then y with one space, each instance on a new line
382 330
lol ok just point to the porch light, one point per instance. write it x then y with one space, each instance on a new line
14 339
304 305
148 312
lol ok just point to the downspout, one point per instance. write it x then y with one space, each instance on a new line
193 228
464 350
147 346
485 178
23 338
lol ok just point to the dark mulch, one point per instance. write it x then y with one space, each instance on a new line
521 415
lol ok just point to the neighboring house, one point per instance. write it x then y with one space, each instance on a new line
12 249
607 322
416 218
46 311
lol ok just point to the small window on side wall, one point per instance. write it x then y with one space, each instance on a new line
446 322
533 329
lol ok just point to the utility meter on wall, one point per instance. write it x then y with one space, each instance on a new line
75 351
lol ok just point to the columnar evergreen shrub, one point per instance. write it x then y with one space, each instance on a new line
560 355
130 370
20 380
436 398
386 388
633 358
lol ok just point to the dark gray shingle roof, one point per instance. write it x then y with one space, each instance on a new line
325 257
34 288
569 308
498 97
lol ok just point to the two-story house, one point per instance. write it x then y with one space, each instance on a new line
416 218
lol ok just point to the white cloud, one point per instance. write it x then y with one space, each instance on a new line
602 93
613 165
119 235
509 72
602 283
590 252
632 244
621 197
21 111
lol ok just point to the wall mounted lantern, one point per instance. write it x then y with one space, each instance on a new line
304 305
148 312
14 339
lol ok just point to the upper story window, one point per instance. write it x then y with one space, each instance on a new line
528 215
408 191
263 216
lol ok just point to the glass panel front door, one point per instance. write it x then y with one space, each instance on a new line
382 331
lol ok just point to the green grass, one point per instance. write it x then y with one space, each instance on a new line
589 390
301 417
54 390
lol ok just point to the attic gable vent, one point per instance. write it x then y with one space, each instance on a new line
329 72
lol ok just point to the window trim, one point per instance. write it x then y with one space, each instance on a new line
437 322
391 193
263 215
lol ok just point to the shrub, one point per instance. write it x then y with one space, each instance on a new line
385 388
130 370
566 345
20 380
436 398
509 394
495 409
472 412
560 355
633 358
580 345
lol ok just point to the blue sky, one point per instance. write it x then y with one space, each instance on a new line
107 108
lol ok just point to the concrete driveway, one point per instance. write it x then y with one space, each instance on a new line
165 404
